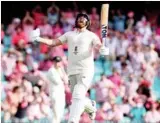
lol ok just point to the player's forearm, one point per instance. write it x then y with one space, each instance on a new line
50 42
98 46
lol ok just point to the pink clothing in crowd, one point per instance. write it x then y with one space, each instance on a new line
19 37
45 65
27 29
101 91
8 64
2 34
158 31
85 118
21 68
116 79
34 112
57 31
38 18
57 51
45 30
43 48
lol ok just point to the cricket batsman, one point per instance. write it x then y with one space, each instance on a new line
81 43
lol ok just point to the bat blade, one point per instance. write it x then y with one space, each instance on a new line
104 22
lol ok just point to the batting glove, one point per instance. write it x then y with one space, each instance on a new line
104 51
35 35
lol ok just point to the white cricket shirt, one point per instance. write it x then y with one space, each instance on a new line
80 50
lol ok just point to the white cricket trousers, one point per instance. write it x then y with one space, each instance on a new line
80 83
58 106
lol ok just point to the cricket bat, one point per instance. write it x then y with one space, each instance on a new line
104 23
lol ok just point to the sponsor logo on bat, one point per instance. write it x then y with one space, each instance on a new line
104 31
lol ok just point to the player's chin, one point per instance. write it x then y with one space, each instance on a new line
81 25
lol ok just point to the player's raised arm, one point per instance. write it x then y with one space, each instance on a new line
103 50
35 36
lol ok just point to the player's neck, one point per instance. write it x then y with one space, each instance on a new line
81 29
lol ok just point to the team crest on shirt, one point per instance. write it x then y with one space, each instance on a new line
75 50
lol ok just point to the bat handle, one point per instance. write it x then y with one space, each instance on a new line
104 42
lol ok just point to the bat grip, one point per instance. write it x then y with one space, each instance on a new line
104 42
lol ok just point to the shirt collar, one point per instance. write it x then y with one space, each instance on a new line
79 31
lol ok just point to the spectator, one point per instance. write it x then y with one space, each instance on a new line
100 115
29 60
21 111
20 67
102 89
114 114
130 21
122 45
132 87
67 23
94 15
119 21
149 72
85 118
2 32
27 86
11 103
34 111
19 39
158 25
53 14
137 58
144 29
126 71
152 116
141 24
153 54
112 42
45 64
37 15
155 85
28 25
70 17
115 78
138 112
45 28
9 62
147 34
111 17
57 30
125 107
11 27
45 104
7 41
36 75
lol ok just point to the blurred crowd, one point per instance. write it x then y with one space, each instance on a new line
126 84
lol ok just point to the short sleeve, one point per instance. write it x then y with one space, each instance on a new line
63 38
96 40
